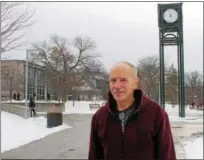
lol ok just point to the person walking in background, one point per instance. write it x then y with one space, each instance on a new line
131 125
48 97
32 107
14 96
18 96
34 96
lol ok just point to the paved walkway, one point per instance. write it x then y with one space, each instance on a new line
73 143
70 143
184 133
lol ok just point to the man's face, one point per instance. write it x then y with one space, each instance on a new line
122 82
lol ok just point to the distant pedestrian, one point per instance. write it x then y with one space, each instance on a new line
48 96
32 107
192 105
34 96
18 96
14 96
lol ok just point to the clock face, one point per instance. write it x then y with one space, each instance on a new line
170 15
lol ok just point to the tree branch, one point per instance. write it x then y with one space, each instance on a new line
12 23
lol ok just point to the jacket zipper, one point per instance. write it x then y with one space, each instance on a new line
123 134
123 137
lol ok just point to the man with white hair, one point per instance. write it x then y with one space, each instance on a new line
131 125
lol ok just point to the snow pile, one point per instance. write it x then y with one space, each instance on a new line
187 119
174 111
17 131
194 150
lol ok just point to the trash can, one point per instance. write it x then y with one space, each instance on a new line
54 118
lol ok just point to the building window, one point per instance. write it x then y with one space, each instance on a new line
30 91
41 93
53 94
30 81
30 72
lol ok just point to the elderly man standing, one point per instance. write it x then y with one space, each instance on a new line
130 126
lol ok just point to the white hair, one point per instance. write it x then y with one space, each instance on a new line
134 69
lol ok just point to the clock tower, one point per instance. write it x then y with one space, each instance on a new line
170 22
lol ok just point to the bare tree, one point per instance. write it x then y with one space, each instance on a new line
172 85
13 23
12 79
148 69
68 63
102 84
194 83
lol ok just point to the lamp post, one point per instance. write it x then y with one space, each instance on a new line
1 50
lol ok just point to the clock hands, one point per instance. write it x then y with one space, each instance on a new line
171 15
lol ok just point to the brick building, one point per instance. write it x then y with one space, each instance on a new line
13 79
14 75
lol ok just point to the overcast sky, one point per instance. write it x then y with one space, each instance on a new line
121 30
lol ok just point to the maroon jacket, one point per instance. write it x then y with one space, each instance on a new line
147 134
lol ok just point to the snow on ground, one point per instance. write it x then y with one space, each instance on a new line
194 150
173 111
23 100
17 131
81 107
192 115
187 119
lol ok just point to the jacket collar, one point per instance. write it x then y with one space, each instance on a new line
139 96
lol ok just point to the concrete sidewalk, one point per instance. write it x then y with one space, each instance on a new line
183 133
67 144
73 143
